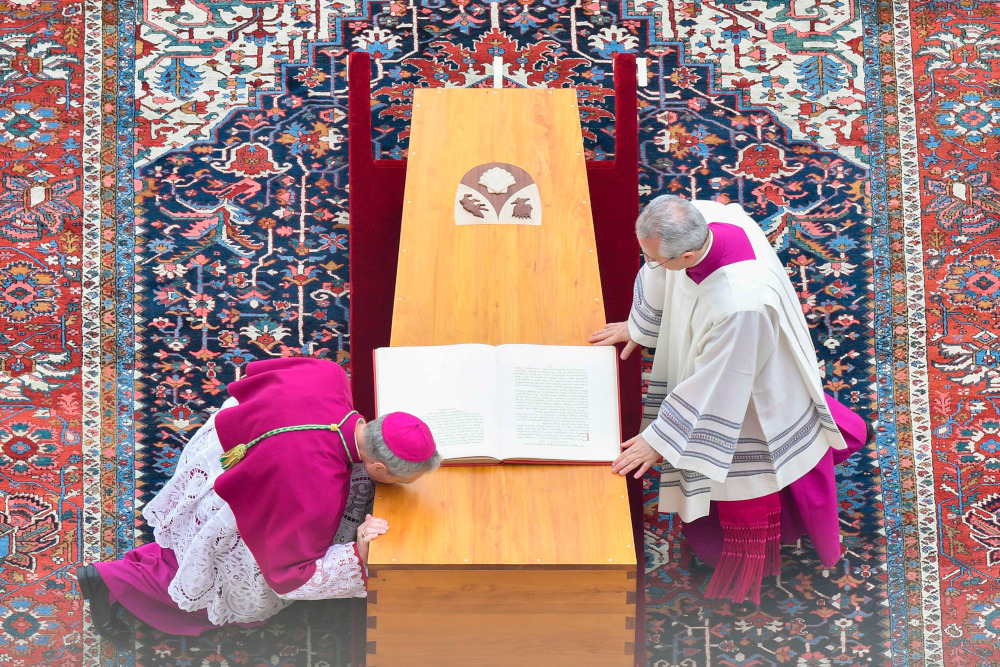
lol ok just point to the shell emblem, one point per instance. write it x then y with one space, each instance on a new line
497 193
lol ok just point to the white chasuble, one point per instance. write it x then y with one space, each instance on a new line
735 403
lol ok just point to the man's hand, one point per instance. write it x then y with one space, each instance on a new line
369 530
612 335
636 453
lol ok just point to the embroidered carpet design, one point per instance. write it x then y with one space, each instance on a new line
173 205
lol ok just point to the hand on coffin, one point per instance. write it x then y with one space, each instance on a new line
613 334
369 530
636 453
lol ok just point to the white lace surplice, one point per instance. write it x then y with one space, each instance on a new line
216 570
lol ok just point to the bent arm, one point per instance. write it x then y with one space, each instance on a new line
340 573
647 306
700 420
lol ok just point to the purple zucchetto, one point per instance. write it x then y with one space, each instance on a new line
408 437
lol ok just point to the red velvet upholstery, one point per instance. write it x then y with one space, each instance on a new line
376 205
376 211
614 198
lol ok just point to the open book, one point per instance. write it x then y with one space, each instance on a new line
515 403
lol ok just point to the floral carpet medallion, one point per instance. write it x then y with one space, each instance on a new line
173 205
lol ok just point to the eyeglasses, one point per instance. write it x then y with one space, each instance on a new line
653 264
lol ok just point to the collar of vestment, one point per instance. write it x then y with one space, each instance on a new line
730 244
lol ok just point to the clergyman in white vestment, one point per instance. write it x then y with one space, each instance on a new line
735 406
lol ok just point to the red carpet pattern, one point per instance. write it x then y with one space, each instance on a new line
42 507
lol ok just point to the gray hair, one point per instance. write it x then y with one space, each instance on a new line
676 222
377 448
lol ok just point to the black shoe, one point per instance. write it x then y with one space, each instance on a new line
698 564
870 433
103 614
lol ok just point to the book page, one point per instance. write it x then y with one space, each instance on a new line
451 387
558 402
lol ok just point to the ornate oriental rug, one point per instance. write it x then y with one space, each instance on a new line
173 205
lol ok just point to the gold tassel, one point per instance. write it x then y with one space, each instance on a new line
233 456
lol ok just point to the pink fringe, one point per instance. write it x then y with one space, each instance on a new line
750 548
